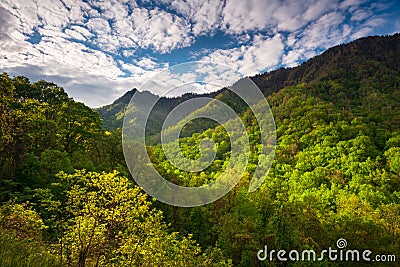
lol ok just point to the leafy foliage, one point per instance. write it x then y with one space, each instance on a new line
336 173
112 223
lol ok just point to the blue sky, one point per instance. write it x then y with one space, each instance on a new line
98 50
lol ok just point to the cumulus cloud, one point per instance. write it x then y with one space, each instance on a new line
263 53
350 20
147 63
76 41
97 46
205 16
275 15
11 41
240 16
194 77
159 30
323 33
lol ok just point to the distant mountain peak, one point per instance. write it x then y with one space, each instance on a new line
352 59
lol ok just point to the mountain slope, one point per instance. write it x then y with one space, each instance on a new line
113 114
364 60
336 170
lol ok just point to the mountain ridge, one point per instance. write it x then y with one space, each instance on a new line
339 60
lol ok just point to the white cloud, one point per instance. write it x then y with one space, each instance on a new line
99 26
361 14
195 77
327 31
217 75
57 54
319 8
156 29
147 63
289 16
275 15
101 40
35 13
361 32
263 53
11 40
133 69
73 34
115 9
331 29
350 4
205 16
113 28
240 16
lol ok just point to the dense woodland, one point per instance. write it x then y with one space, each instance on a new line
67 198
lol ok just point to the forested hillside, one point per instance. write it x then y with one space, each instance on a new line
68 199
336 169
113 114
359 59
51 214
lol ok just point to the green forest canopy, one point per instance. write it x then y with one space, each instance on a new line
67 196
